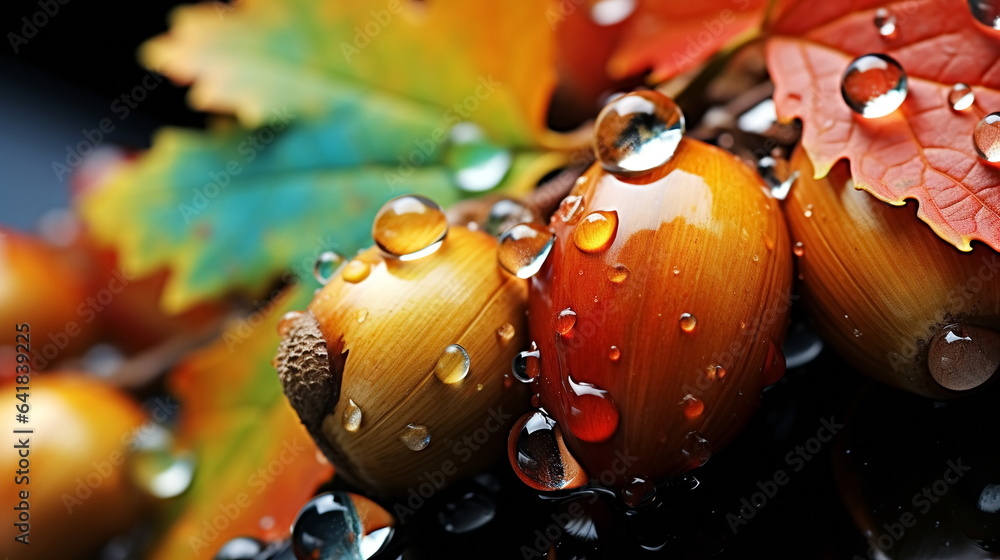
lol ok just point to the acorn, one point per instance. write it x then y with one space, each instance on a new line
658 316
895 300
398 368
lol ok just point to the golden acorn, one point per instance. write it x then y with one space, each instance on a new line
399 367
899 303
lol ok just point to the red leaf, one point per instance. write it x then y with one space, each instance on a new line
921 151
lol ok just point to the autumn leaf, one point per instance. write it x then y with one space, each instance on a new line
256 464
669 38
923 150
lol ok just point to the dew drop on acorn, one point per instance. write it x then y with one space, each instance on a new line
539 455
962 357
355 271
874 85
352 416
505 214
638 492
596 232
570 209
326 265
715 372
331 526
961 97
565 321
618 273
287 321
986 12
409 227
467 513
986 138
362 315
527 364
614 354
885 23
240 548
524 248
693 407
453 365
688 322
506 333
592 416
638 132
799 249
416 437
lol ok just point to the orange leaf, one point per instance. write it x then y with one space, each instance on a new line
673 37
921 151
256 464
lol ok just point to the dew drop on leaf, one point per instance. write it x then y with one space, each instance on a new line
885 23
986 138
961 97
986 12
874 85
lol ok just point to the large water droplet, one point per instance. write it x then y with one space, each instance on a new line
963 357
352 416
415 436
505 214
638 492
596 232
618 273
468 513
986 11
524 248
527 364
688 322
961 97
874 85
638 132
287 321
453 365
326 266
986 138
774 364
885 23
410 227
333 525
570 209
592 415
355 271
157 467
539 455
506 333
610 12
565 321
696 449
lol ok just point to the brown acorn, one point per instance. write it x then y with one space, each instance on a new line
399 367
896 301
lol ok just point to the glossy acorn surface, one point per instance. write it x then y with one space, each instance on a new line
899 303
659 314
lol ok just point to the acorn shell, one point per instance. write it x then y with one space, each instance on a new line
679 313
879 285
380 339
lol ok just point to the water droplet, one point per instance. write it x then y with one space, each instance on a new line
799 248
570 209
539 455
610 12
874 85
693 406
614 354
362 315
479 386
638 132
774 364
335 525
986 11
355 271
565 321
287 321
676 270
715 372
961 97
468 513
638 492
478 164
505 333
801 346
524 248
326 265
618 273
596 232
809 211
986 138
688 322
415 436
157 467
352 416
592 415
696 449
527 364
885 23
755 257
962 357
453 365
857 333
410 227
768 242
240 548
505 214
